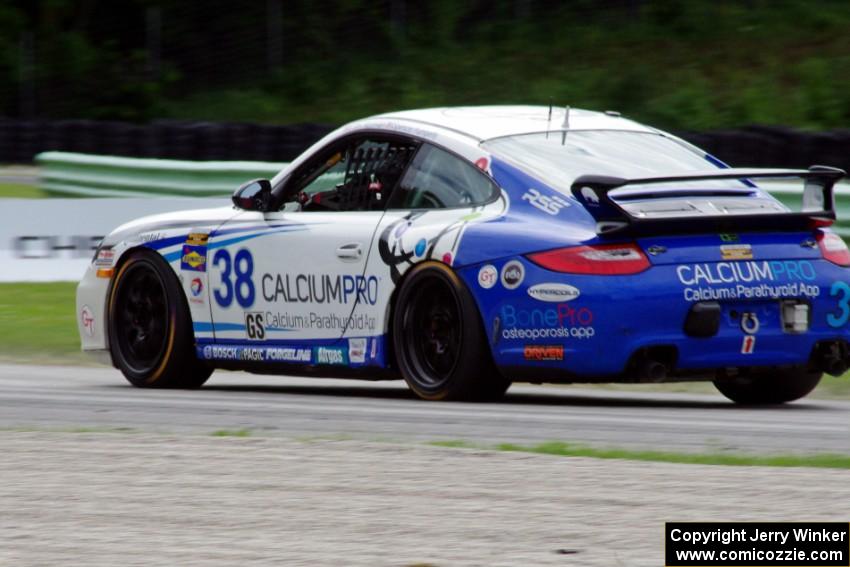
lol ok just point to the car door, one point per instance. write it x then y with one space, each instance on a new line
427 213
292 278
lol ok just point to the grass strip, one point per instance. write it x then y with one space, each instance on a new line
563 449
38 322
20 191
232 433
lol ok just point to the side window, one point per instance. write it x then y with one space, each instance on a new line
358 175
437 179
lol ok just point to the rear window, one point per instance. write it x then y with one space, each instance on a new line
558 160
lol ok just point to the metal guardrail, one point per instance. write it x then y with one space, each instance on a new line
82 175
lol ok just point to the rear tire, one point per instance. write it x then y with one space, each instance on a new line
769 387
150 329
440 345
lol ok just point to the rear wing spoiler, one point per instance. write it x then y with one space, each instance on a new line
818 208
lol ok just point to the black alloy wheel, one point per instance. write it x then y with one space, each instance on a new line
433 329
149 326
141 313
438 338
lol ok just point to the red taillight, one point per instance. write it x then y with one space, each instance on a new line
820 222
833 248
600 259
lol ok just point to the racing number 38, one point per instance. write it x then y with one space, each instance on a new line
236 273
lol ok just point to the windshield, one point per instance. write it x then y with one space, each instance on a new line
558 161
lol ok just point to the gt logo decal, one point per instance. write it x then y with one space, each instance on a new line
549 205
242 266
842 291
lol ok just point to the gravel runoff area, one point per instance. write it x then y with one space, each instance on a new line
140 499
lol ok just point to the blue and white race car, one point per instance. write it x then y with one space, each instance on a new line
465 248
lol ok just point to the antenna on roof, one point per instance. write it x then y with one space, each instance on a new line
566 125
549 120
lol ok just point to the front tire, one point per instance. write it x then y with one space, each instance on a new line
769 387
440 345
150 329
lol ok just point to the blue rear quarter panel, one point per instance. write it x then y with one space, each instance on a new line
614 316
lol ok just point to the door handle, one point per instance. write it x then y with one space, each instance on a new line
352 251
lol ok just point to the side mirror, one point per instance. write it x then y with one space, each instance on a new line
254 195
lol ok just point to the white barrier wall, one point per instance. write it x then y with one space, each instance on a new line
54 239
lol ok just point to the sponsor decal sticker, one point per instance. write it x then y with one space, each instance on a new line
488 276
736 251
194 258
553 292
512 274
257 354
105 257
482 163
419 249
286 354
329 355
87 320
150 237
727 237
543 352
770 279
447 258
196 289
357 350
319 288
286 321
551 204
748 345
197 239
557 322
374 353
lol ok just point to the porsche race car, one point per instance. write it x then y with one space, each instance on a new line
462 249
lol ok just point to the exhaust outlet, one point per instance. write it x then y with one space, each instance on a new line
836 368
832 357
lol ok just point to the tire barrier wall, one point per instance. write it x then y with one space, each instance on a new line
775 146
21 140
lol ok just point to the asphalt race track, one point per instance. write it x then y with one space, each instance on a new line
45 397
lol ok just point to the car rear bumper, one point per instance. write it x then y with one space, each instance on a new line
610 326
